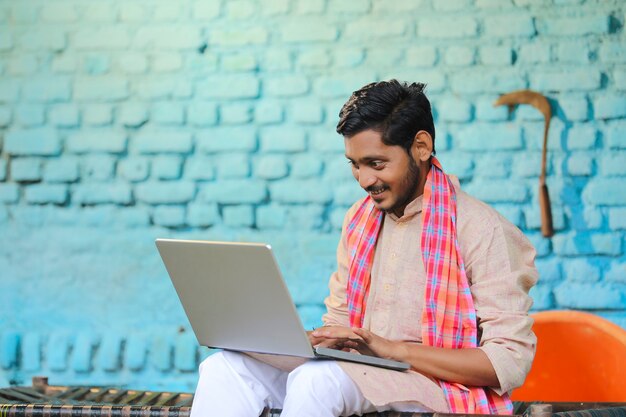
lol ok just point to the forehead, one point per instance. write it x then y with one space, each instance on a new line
368 144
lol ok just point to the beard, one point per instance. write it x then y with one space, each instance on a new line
407 188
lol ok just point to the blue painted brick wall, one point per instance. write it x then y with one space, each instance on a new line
123 121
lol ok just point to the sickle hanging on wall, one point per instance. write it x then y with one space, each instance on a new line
541 103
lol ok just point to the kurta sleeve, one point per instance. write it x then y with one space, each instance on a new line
501 271
336 302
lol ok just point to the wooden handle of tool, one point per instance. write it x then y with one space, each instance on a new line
546 212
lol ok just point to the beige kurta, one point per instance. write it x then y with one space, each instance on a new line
499 261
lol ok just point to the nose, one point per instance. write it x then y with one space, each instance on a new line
366 178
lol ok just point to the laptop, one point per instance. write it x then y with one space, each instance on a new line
236 299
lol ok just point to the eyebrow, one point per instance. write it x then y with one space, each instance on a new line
369 158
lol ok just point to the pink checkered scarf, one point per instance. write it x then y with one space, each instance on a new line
449 317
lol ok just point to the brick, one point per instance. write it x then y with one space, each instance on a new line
238 216
133 217
575 108
225 139
110 353
587 296
308 30
617 218
485 81
167 62
23 65
199 168
135 353
161 353
347 193
185 352
271 216
355 7
277 60
102 193
240 9
325 140
580 164
571 80
271 167
347 57
102 37
574 52
87 141
306 111
587 218
619 79
132 114
30 350
305 166
585 244
6 41
286 85
495 191
26 169
235 113
542 296
602 191
166 13
59 13
386 28
313 58
82 353
230 86
47 90
6 116
168 113
268 112
66 63
452 109
202 215
64 115
133 63
3 169
485 110
613 164
233 166
458 164
615 133
309 217
149 142
40 141
234 191
341 85
482 137
101 88
447 28
493 165
496 55
576 26
57 349
9 347
610 106
229 37
202 114
616 273
30 115
300 191
283 139
97 167
102 13
581 270
459 56
64 169
550 270
420 56
166 167
9 193
203 10
96 64
134 168
240 61
542 245
535 53
509 25
167 37
169 216
165 192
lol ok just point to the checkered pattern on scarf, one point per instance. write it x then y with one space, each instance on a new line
449 317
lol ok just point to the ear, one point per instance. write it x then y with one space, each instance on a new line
422 147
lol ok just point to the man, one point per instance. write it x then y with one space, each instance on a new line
426 275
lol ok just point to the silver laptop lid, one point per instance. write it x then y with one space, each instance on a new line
234 296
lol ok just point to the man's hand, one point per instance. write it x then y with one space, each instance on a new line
335 337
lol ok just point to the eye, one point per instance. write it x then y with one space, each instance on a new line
377 164
353 164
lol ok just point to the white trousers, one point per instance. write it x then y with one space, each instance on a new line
234 384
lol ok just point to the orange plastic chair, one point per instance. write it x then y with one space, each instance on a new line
580 357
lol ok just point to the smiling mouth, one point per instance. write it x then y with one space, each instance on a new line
377 190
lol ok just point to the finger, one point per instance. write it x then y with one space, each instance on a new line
365 335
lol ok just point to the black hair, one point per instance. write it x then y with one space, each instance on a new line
397 110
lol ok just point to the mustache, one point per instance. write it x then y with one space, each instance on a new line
376 189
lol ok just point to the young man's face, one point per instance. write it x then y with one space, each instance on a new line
390 175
